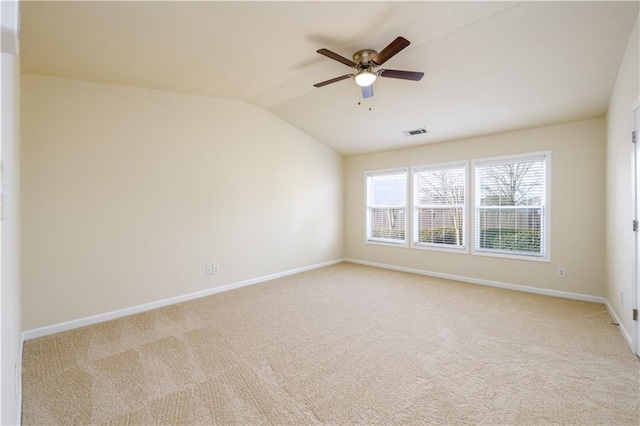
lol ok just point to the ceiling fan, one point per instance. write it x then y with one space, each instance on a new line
366 61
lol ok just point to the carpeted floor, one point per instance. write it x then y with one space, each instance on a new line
346 344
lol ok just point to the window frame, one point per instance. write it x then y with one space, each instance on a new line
415 243
546 208
368 239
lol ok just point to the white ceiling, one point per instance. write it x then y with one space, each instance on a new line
490 66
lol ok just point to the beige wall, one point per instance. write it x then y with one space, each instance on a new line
129 193
620 237
577 211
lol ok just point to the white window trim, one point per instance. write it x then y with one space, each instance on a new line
415 244
546 256
381 241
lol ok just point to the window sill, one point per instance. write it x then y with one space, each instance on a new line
400 244
511 256
441 248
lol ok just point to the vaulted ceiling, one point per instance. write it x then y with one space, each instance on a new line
489 66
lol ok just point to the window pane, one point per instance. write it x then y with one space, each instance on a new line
517 230
439 198
510 201
440 226
515 184
388 223
388 190
439 186
386 206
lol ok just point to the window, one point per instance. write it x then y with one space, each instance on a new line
511 200
439 206
387 206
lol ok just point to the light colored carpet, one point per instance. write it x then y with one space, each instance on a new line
346 344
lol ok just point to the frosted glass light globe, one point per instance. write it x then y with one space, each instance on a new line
365 78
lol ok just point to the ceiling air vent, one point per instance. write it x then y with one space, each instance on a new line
420 131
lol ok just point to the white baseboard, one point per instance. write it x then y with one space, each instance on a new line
81 322
508 286
623 330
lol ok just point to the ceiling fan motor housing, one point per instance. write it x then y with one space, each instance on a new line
363 58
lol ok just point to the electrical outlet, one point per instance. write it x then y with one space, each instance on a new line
210 269
357 248
216 269
622 297
562 272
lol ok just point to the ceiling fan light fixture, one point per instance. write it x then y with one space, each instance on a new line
365 78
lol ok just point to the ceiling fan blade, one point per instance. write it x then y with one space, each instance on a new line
391 50
336 57
367 91
333 80
404 75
